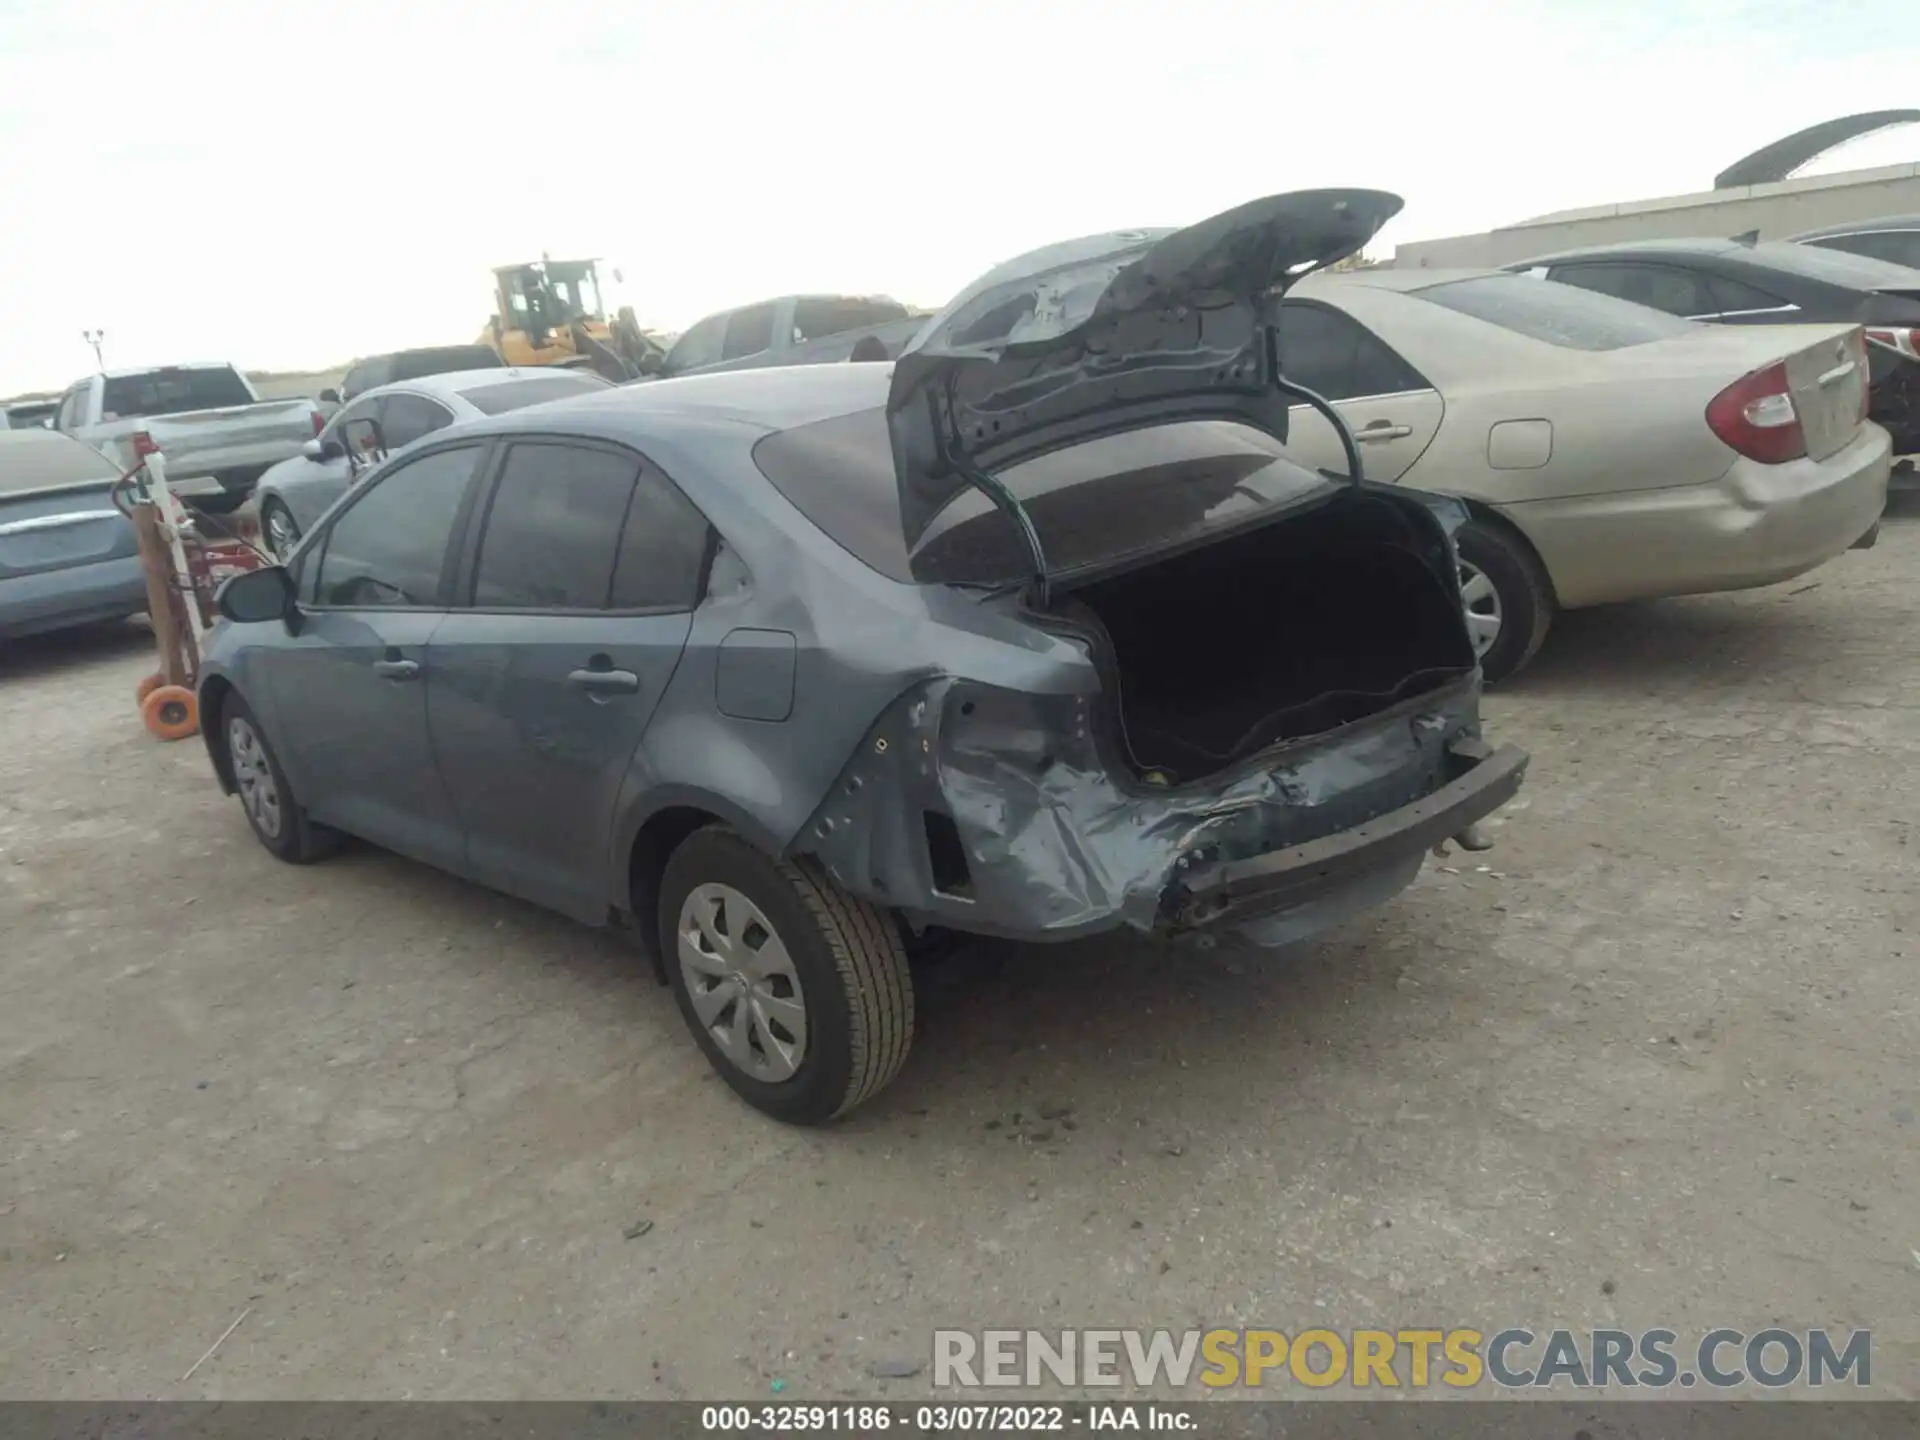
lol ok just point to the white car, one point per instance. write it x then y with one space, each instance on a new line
1608 451
294 494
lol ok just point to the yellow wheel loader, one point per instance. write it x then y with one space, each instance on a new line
550 313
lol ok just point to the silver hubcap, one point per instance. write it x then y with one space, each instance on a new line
254 777
1483 607
742 983
280 532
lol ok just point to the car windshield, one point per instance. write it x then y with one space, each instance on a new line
535 389
173 392
1092 504
1562 315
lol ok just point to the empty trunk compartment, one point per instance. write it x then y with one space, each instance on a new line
1289 631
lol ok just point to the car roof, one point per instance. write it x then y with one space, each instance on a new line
1692 245
765 399
1382 277
1863 227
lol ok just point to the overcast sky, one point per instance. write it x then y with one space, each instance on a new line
291 186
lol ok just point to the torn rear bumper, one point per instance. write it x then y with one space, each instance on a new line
991 812
1235 891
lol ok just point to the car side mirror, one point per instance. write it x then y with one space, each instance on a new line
312 450
329 397
256 595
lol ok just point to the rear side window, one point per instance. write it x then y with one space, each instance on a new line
535 390
416 364
1896 247
663 549
553 528
1734 297
749 331
1338 357
1556 314
390 547
699 346
173 392
408 418
815 316
573 527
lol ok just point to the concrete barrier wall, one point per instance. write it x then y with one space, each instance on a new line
1776 211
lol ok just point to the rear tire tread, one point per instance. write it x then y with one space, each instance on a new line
873 967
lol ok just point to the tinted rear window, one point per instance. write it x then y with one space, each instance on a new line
1836 267
518 394
1092 503
1563 315
37 459
173 392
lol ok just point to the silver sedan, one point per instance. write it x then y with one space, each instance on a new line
294 494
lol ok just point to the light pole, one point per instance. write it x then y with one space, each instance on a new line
93 338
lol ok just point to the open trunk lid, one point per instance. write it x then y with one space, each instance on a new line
1105 335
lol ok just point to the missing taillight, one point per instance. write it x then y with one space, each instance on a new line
946 858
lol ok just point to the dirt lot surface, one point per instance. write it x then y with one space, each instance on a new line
1655 1066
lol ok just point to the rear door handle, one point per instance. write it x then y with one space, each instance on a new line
397 669
605 682
1383 430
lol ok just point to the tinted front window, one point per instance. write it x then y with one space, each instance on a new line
749 331
535 390
391 546
553 528
173 392
1092 503
1896 247
350 420
1336 356
1563 315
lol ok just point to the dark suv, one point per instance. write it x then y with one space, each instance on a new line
410 365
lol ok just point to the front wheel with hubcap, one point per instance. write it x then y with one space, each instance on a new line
281 531
797 991
1508 598
272 811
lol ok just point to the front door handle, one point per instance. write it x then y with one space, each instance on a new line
605 682
397 669
1382 430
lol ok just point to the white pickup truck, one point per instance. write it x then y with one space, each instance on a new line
218 435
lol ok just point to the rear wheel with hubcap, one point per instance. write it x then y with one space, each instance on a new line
1508 599
797 991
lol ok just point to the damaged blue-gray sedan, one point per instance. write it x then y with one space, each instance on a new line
1037 633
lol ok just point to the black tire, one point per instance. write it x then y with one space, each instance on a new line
296 840
1525 595
269 508
855 987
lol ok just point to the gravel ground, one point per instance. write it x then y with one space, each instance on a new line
1656 1066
